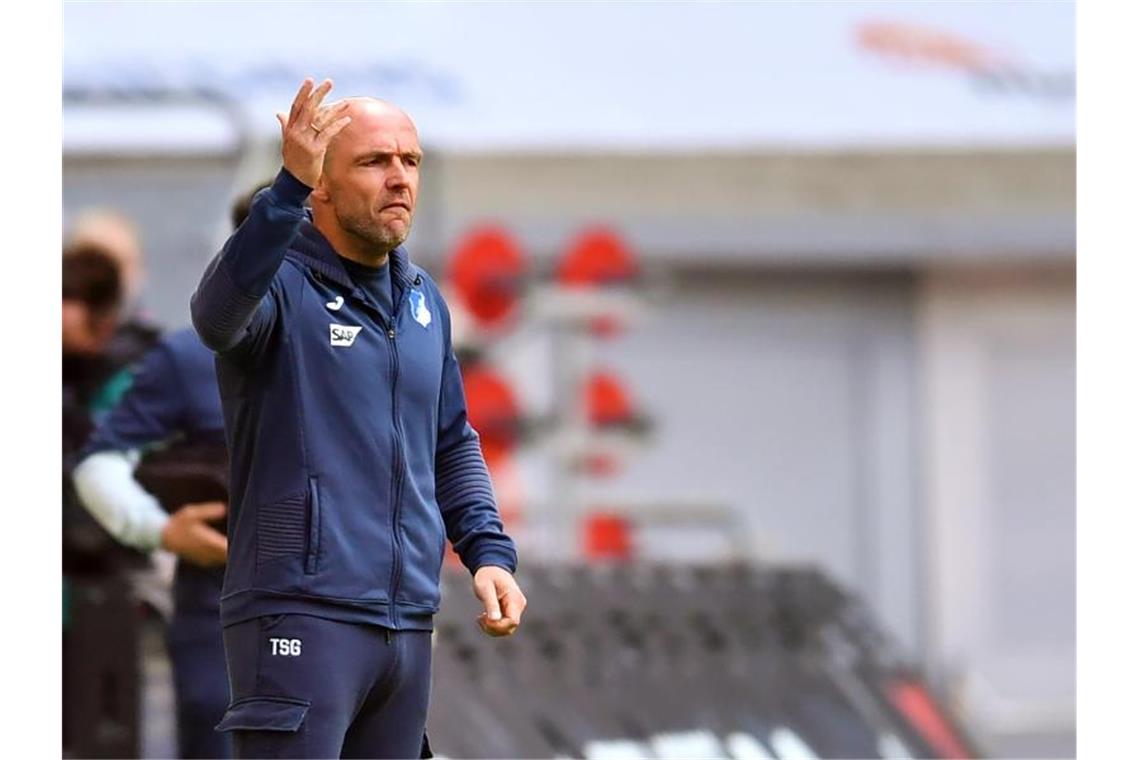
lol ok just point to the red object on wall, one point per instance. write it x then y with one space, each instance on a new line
923 45
597 256
608 405
913 701
492 409
488 270
607 536
607 402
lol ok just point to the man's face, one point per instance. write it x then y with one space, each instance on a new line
116 237
371 175
83 332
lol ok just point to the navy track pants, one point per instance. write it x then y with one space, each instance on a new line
305 686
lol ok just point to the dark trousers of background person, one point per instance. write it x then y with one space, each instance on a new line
101 673
198 660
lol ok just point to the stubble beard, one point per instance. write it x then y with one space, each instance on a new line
373 233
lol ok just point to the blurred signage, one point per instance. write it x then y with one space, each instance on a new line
671 76
991 71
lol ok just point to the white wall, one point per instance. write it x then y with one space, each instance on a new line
999 369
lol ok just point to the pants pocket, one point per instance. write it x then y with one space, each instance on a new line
284 714
269 622
267 727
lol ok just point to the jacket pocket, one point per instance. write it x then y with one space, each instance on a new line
281 529
314 543
264 714
441 526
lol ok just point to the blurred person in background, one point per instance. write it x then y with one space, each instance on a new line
173 407
117 236
93 380
95 567
350 447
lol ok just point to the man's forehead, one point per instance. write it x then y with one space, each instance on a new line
378 126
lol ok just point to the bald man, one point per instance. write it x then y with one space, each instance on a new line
352 458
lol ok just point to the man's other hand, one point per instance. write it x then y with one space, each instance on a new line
307 130
503 601
188 534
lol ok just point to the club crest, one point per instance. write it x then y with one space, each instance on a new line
418 304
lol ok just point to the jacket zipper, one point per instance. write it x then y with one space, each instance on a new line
397 450
397 474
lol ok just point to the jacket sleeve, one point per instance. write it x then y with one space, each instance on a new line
106 486
232 307
152 411
462 483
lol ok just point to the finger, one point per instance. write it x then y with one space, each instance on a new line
502 627
216 541
513 606
318 95
209 511
486 593
328 133
331 110
326 115
220 552
282 119
301 98
209 546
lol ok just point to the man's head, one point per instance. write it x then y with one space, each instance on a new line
117 236
92 299
366 197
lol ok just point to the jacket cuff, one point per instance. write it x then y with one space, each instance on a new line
288 191
495 556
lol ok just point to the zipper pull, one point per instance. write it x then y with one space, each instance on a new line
388 635
391 332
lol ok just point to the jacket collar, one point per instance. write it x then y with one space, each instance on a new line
314 249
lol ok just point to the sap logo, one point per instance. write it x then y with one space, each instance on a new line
342 335
418 304
287 647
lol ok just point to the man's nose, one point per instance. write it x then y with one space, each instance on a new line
397 175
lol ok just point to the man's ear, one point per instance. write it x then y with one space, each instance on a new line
321 191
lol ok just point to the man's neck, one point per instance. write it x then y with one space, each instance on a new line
351 246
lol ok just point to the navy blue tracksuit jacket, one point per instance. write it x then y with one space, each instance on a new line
351 454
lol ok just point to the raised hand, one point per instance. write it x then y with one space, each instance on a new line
308 129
